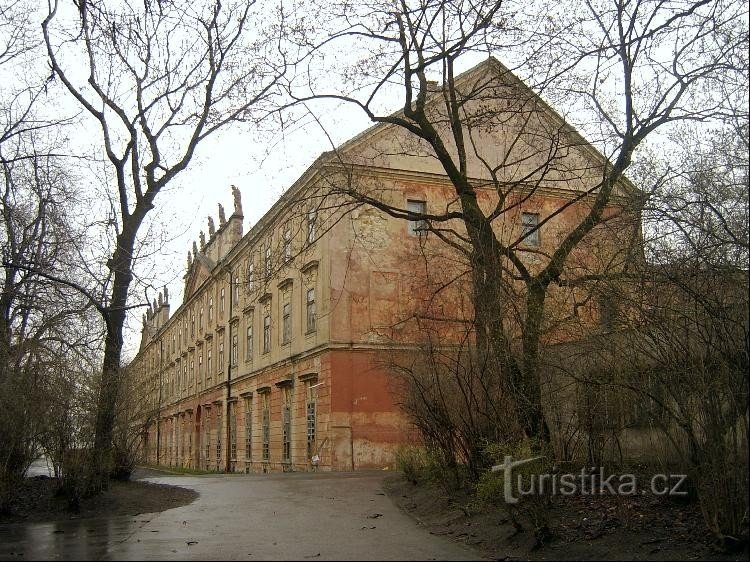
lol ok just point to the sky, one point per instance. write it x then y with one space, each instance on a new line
261 165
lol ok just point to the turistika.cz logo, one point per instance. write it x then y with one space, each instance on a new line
587 482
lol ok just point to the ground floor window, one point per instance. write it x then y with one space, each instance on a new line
286 425
310 410
266 427
248 428
207 435
233 430
218 437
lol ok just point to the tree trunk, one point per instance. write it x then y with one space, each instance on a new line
121 264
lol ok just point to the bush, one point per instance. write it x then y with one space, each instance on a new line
412 461
531 511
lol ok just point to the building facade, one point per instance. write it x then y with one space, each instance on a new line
277 357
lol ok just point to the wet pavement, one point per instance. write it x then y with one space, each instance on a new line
322 516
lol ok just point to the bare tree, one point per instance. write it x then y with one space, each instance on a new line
41 320
159 78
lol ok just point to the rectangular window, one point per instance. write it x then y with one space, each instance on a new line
233 430
220 365
416 227
236 289
219 431
200 368
209 372
192 324
249 339
310 310
234 344
266 334
530 232
286 425
207 434
287 245
210 310
286 332
266 427
310 407
268 261
222 294
200 320
192 372
312 217
177 443
184 374
248 428
250 280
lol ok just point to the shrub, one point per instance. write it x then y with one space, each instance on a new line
530 511
412 461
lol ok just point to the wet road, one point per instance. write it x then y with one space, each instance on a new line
323 516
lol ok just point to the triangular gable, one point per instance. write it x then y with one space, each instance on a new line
200 271
390 146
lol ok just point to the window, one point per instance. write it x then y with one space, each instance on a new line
287 245
184 374
248 428
234 344
311 420
210 309
266 427
207 428
218 437
179 339
221 302
208 364
200 368
220 365
530 232
236 289
608 313
200 320
177 441
310 310
416 227
266 334
312 217
249 339
286 425
192 323
286 332
192 372
233 430
250 277
268 261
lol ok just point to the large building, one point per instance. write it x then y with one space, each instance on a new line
275 358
